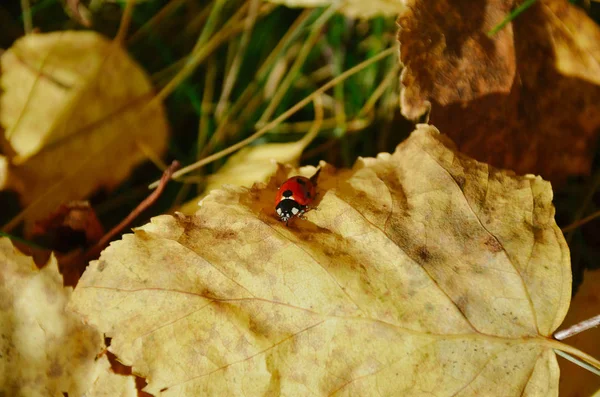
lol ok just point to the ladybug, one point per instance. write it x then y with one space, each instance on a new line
295 196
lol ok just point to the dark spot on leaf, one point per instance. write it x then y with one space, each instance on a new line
101 265
492 244
462 303
55 370
460 181
424 253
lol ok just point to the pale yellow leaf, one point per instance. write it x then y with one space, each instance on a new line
44 350
73 108
353 8
109 384
422 273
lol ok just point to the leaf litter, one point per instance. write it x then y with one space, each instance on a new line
46 350
74 119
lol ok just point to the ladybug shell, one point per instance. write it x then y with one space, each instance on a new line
302 190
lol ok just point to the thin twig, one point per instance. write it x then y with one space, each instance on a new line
577 328
581 222
94 251
585 203
151 25
282 117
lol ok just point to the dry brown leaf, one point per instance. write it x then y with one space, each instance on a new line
73 110
527 98
353 8
423 272
44 350
585 304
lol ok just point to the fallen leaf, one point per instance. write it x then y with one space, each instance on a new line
586 304
353 8
109 384
44 350
422 272
73 110
528 98
72 225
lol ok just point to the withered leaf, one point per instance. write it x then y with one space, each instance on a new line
527 98
75 118
44 349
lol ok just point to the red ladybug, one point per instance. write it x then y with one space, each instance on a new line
295 196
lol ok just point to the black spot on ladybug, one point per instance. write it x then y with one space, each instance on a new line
287 193
308 194
301 181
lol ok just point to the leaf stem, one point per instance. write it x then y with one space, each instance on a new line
586 358
577 361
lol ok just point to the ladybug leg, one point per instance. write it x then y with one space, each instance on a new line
302 213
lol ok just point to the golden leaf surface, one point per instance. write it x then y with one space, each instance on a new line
422 272
352 8
527 98
73 109
44 350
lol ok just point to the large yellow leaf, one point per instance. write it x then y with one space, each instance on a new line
422 273
44 350
527 98
73 111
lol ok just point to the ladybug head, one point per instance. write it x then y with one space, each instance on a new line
288 208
